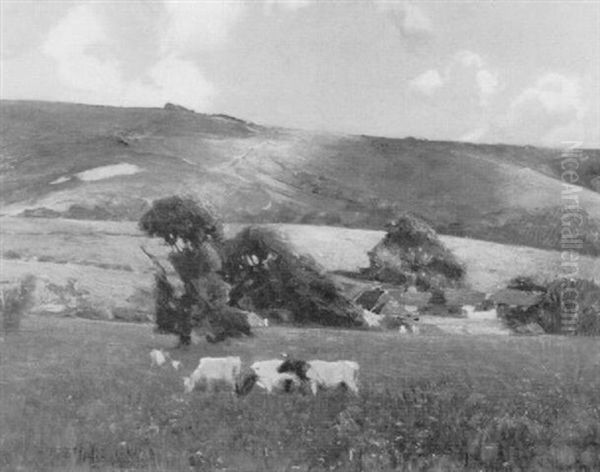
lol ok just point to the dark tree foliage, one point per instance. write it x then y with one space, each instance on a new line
565 305
181 219
15 302
578 296
412 254
227 322
261 266
195 235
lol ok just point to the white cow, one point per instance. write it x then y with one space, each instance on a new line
268 377
473 314
332 374
158 357
176 364
468 310
211 370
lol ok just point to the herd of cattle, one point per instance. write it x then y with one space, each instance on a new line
272 375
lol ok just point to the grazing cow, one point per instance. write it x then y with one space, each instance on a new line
332 374
468 310
158 357
409 326
472 313
269 377
211 370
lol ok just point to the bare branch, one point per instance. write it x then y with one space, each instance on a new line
154 261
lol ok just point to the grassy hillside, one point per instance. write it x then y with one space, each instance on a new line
254 173
77 395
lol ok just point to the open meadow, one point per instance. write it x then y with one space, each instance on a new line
78 395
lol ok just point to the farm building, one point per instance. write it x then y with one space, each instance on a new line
510 298
520 309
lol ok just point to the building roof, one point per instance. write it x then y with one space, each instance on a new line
509 296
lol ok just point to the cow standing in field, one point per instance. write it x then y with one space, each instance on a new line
213 370
269 377
472 313
324 374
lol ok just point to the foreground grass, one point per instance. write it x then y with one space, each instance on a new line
79 395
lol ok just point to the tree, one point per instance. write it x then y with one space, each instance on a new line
411 254
181 221
262 267
195 236
15 301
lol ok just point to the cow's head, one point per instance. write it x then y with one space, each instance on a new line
295 366
245 383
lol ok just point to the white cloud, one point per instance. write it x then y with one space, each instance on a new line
198 26
487 82
67 44
551 110
556 93
70 44
409 18
180 81
428 82
469 59
475 135
464 71
415 21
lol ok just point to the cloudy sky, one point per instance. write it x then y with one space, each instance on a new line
496 71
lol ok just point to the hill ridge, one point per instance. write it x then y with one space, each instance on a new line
257 173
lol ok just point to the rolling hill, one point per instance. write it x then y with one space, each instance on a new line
107 163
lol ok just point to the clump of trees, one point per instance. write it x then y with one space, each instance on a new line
15 302
563 305
266 273
197 296
211 278
578 299
411 254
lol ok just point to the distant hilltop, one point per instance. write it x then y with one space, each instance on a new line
173 107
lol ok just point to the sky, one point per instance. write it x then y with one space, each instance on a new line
521 72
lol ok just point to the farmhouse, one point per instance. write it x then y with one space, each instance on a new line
520 309
510 298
